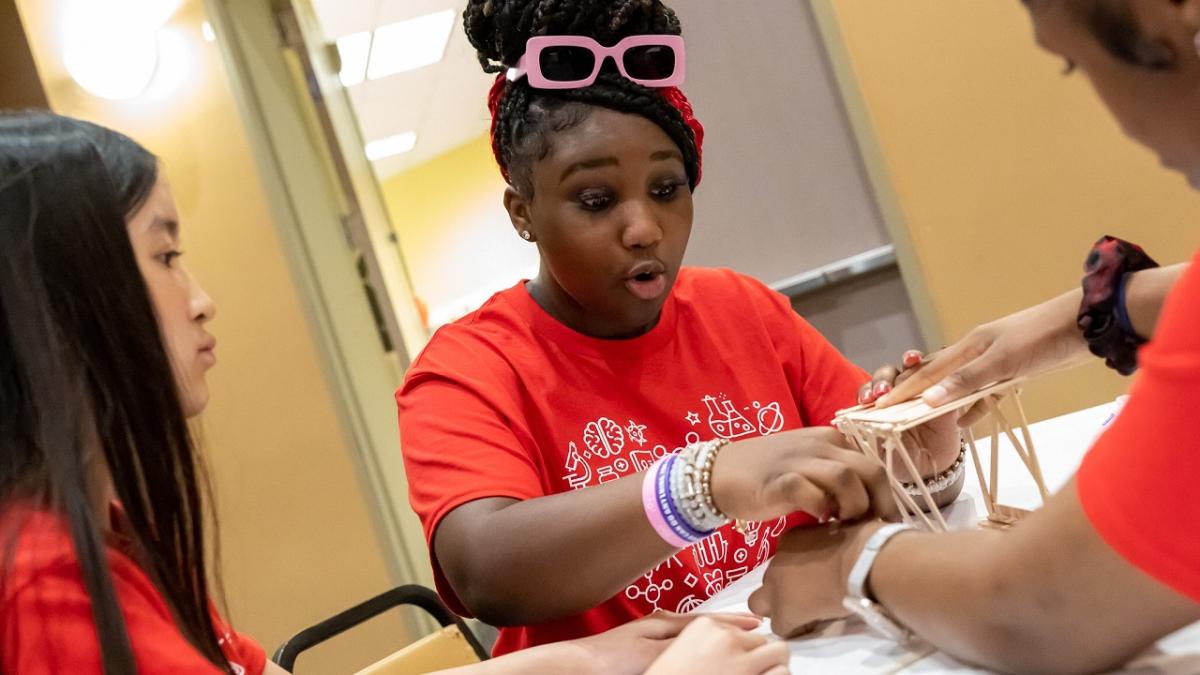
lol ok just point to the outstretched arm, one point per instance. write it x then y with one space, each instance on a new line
1048 596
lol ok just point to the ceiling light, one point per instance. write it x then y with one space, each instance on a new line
411 44
391 146
354 49
110 49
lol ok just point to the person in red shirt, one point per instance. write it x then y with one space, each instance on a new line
1112 562
103 356
532 427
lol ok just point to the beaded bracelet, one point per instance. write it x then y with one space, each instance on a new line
695 467
943 480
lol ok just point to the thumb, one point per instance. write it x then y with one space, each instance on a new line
964 381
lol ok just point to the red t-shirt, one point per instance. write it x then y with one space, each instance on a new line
1140 484
46 624
508 402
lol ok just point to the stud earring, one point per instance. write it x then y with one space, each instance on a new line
526 236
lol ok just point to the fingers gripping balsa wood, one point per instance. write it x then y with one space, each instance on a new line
879 434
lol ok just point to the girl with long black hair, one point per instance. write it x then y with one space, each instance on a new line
103 357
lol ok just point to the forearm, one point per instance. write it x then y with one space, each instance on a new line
551 658
1144 295
1049 596
546 558
947 590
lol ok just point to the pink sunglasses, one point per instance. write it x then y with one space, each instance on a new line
574 61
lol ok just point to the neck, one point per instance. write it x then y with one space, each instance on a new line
560 305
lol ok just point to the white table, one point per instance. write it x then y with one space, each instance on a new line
849 647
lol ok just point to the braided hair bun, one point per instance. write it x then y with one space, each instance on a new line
524 119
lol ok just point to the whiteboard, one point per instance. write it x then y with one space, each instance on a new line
784 189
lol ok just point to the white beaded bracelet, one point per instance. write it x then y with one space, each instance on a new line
942 481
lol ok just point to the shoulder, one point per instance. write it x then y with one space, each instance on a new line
719 292
476 348
701 283
35 545
40 553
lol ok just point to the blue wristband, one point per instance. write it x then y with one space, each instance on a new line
1123 313
667 504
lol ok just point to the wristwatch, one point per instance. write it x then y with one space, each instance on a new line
859 601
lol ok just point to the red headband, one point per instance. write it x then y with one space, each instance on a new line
673 95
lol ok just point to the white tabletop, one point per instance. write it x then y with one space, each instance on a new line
849 647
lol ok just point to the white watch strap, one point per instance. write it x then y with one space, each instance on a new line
856 599
856 584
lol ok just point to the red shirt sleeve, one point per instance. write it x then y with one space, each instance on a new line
1140 484
461 437
822 380
46 624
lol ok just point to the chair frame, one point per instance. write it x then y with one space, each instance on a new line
400 596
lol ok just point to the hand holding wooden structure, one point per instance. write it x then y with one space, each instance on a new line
879 433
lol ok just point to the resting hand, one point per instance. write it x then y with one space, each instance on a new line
812 470
712 645
633 647
806 581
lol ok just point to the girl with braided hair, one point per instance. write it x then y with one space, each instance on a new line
577 447
102 560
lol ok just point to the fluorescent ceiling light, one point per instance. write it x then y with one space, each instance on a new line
354 50
391 146
411 44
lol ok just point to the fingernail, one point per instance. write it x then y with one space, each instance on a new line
935 395
863 395
912 358
882 388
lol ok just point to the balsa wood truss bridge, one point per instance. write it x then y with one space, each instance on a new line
879 433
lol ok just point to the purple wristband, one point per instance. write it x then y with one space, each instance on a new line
653 513
670 509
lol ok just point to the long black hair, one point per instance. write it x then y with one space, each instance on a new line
85 379
525 118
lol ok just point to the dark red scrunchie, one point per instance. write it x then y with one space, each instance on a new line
673 95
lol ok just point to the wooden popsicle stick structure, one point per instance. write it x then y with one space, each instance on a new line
879 433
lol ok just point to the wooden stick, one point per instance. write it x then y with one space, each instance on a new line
994 486
1027 456
1006 426
983 486
908 507
898 443
1037 465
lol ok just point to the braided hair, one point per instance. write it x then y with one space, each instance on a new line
524 119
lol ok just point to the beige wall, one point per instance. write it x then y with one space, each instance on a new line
458 242
1004 171
19 84
298 537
